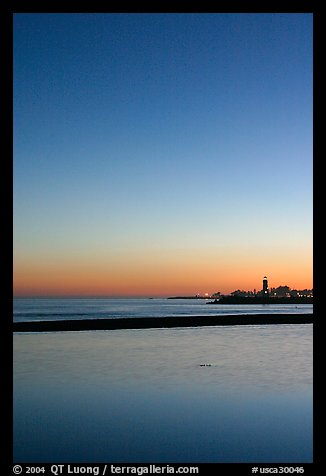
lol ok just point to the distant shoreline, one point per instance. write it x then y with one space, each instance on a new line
234 300
160 322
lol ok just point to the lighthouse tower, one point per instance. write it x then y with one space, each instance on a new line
265 287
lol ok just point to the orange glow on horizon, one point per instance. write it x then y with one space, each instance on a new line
159 275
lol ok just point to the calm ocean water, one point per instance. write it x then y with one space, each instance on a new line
218 394
30 309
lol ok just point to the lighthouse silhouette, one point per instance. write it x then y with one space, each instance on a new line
265 286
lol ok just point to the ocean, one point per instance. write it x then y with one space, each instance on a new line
233 394
31 309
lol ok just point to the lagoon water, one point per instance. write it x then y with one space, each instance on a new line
219 394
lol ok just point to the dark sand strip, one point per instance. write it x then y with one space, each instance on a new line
160 322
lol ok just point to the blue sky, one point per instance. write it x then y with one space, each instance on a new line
163 132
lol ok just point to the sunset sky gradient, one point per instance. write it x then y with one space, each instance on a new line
162 154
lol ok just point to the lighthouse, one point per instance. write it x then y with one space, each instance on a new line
265 287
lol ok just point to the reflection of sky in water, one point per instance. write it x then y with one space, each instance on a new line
143 396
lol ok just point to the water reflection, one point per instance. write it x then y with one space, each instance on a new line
143 395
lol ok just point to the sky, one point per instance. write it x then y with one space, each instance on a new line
162 154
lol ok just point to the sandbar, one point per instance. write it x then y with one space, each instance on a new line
160 322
